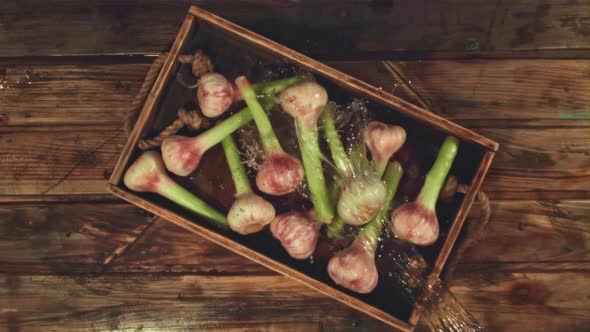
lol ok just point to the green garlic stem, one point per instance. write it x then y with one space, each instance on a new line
186 199
268 137
312 165
274 87
370 233
339 156
358 158
439 171
214 135
380 167
334 229
237 169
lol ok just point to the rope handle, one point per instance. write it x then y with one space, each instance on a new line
200 65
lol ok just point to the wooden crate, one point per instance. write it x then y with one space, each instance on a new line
197 19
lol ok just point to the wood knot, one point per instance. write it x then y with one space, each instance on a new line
528 292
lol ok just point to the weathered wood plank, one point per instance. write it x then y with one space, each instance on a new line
424 28
79 237
58 160
57 93
533 231
64 237
502 297
166 247
82 237
504 93
157 302
526 297
484 93
532 163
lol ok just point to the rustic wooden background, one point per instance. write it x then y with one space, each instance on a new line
73 258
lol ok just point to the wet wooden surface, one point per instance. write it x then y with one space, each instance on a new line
74 258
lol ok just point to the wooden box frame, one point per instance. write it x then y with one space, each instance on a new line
196 15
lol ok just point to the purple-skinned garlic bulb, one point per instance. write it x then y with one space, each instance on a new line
280 173
147 174
182 154
304 102
416 222
215 94
297 231
383 140
250 212
354 268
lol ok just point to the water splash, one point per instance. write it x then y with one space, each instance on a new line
444 313
25 80
250 147
3 80
406 268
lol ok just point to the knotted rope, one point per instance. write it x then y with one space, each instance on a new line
200 65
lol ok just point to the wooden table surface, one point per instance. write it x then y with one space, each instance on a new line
74 258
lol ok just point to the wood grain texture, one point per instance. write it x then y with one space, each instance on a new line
477 94
533 231
503 297
534 161
62 238
155 302
77 237
424 28
166 247
504 93
57 93
526 297
60 160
